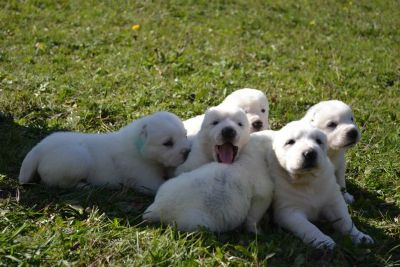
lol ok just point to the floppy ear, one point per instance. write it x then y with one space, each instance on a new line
143 132
208 111
140 141
310 114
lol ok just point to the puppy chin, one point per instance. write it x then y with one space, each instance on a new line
302 175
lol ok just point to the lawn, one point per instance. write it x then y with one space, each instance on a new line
82 66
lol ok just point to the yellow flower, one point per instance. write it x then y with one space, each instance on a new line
135 27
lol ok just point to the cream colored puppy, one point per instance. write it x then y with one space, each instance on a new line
135 156
224 132
336 120
306 188
252 101
218 196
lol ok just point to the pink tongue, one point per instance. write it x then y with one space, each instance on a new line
225 153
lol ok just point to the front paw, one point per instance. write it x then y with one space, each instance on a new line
362 238
348 198
326 243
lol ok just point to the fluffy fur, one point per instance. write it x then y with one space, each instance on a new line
135 156
252 101
306 188
218 196
224 132
336 120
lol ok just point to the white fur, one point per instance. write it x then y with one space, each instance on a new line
218 196
322 115
305 194
135 156
252 101
204 145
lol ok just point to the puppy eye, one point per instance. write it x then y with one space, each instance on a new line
352 119
332 124
263 110
215 122
319 142
168 143
290 142
240 124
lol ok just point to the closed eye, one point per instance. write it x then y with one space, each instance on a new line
290 142
169 143
332 125
215 122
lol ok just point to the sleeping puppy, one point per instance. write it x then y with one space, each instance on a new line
306 188
336 120
135 156
252 101
224 132
217 196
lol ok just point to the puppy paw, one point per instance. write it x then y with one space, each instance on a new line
348 198
326 243
362 238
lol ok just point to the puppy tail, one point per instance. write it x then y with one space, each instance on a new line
29 167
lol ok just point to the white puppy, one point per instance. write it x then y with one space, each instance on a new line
336 120
224 132
305 186
252 101
135 156
218 196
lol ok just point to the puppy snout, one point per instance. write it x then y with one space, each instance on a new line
257 125
352 134
228 133
310 157
185 153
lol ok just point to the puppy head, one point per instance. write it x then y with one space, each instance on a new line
255 105
300 149
163 138
336 120
224 132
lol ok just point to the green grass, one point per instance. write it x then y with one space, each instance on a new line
78 65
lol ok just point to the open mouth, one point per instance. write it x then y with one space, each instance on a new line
350 144
226 153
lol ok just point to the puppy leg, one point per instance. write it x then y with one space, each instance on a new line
148 182
298 224
257 209
340 179
192 219
65 167
339 215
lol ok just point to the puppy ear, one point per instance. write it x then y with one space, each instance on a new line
140 141
143 132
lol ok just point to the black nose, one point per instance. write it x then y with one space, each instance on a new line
185 152
310 156
257 125
352 134
228 133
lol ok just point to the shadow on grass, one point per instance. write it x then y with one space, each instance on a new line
127 206
15 143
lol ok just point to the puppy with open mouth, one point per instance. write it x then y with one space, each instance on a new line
336 120
137 156
224 132
306 188
252 101
218 196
